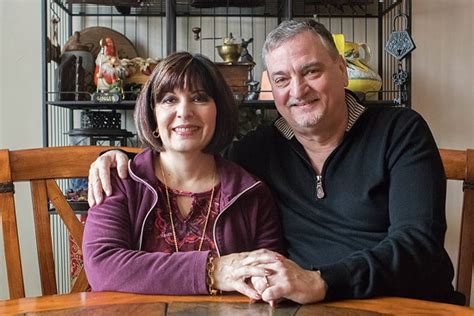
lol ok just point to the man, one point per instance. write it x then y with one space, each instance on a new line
361 190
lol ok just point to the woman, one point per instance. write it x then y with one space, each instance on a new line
170 226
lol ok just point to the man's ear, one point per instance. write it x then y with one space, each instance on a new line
343 68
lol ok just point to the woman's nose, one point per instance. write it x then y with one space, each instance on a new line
184 109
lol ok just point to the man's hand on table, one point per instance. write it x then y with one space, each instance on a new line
99 175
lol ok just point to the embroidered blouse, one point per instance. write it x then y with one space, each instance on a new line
158 234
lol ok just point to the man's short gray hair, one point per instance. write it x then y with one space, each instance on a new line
290 28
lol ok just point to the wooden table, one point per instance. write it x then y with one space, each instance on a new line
112 303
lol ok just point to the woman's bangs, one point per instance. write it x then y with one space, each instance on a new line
190 76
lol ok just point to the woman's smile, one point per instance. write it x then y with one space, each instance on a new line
186 129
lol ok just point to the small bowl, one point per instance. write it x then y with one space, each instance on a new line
229 52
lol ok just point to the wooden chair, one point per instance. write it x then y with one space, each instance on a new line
459 165
41 167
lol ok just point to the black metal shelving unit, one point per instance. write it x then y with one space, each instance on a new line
159 27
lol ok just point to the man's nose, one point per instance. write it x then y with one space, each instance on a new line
298 87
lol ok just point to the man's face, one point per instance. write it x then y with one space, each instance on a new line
307 84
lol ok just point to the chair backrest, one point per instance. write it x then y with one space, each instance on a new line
459 165
41 167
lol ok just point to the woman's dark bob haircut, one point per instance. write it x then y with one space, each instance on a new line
185 71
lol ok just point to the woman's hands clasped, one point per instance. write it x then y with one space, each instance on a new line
233 274
286 279
269 276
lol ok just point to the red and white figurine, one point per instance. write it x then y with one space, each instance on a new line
109 73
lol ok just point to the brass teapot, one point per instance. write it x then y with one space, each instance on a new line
230 50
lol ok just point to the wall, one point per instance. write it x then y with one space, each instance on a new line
443 85
20 109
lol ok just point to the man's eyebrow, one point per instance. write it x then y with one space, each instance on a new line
311 65
302 68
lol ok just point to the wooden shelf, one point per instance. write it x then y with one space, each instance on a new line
130 105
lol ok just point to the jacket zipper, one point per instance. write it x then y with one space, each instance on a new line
226 208
155 194
320 194
319 187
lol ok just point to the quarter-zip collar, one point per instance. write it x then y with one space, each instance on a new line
354 109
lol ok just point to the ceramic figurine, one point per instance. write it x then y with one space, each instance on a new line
109 73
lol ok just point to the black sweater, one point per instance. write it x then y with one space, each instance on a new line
380 228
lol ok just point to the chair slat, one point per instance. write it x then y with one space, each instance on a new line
81 284
64 210
44 242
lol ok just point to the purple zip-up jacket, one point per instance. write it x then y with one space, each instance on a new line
248 219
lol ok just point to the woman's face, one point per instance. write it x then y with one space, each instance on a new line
186 120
